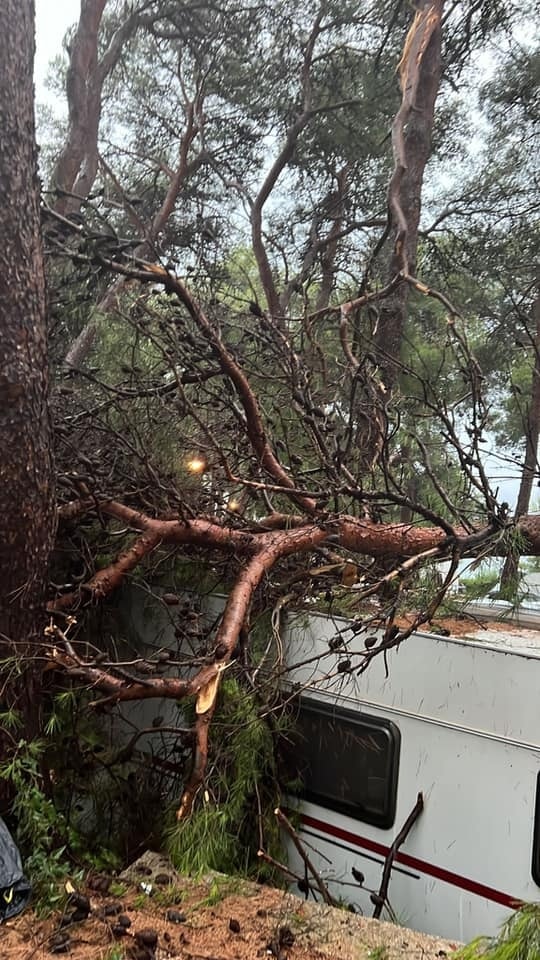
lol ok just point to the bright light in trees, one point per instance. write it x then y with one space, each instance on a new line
197 464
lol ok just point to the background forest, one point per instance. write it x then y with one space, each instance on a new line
293 324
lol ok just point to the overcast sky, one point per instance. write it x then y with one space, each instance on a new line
53 17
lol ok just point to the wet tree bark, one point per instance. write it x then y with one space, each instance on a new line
26 472
420 74
77 165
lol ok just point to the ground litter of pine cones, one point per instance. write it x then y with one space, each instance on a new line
218 918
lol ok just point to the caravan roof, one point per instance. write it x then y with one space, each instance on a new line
494 625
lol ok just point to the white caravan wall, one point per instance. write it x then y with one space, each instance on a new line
455 703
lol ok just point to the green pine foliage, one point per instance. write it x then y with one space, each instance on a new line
519 939
222 832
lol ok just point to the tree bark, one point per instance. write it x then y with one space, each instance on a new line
420 73
78 161
26 471
76 168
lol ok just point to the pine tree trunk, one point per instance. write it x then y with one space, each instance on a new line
77 165
420 73
26 471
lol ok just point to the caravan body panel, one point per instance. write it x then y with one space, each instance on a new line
468 713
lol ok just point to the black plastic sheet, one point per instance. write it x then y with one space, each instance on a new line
15 890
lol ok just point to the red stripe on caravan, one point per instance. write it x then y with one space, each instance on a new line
455 879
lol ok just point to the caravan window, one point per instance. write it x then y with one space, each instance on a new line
536 836
347 761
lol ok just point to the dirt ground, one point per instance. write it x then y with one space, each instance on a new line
219 918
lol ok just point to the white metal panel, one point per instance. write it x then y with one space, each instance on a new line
457 681
454 705
477 823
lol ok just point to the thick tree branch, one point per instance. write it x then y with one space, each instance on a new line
263 548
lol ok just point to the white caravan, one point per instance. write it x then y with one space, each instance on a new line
456 719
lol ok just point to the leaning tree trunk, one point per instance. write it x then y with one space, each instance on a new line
420 74
76 167
26 474
510 573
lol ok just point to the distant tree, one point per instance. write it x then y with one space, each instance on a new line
484 240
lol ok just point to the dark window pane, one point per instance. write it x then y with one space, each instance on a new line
535 870
347 761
